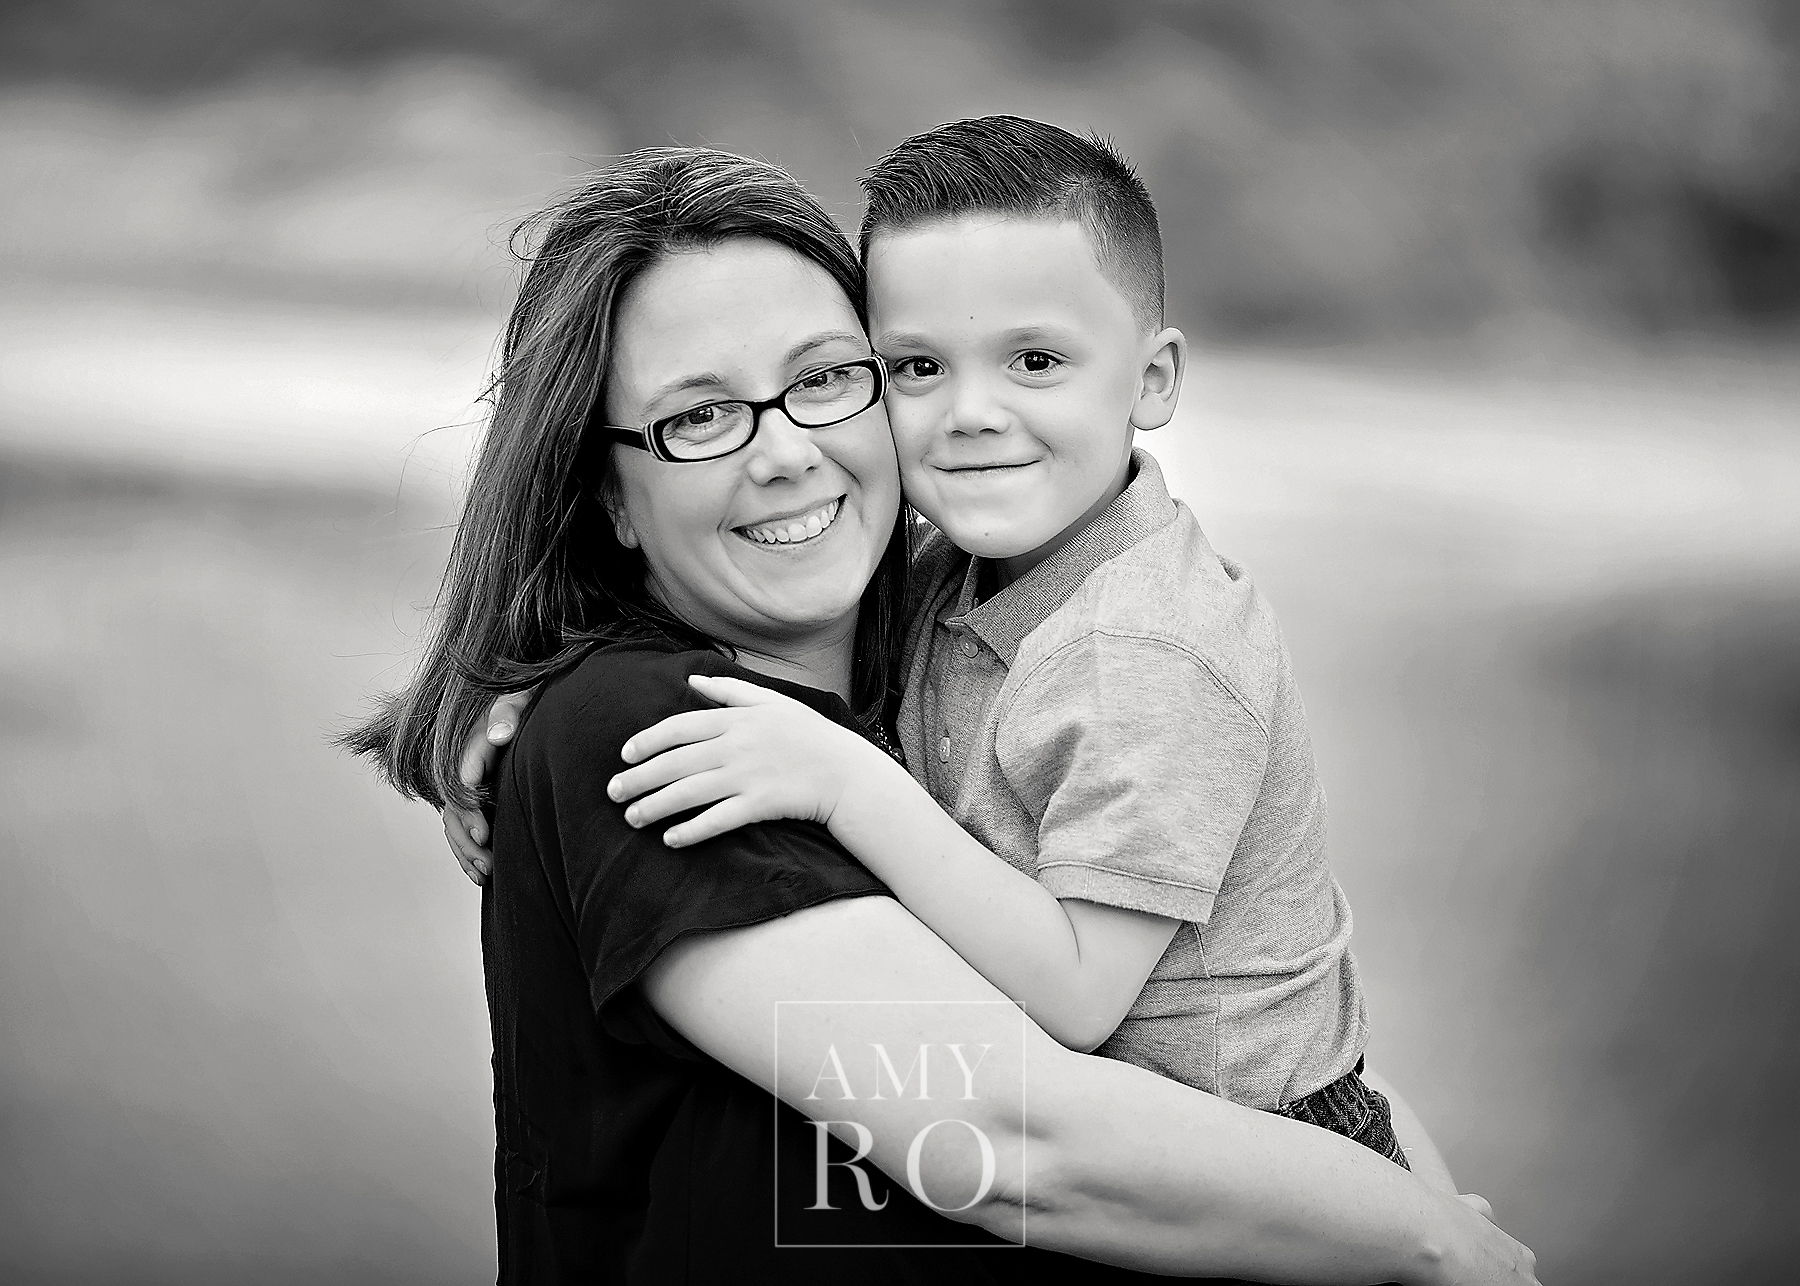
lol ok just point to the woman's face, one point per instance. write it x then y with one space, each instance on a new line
743 320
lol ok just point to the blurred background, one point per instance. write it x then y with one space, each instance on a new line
1497 310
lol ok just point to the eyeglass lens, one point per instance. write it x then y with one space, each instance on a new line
822 398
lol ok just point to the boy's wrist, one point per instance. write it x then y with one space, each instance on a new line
865 785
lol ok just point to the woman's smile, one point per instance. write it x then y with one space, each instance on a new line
769 546
795 528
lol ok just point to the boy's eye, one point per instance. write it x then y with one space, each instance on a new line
917 368
1037 362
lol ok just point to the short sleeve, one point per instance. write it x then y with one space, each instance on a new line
626 895
1141 767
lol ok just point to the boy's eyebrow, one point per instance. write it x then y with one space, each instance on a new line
900 339
891 339
1027 334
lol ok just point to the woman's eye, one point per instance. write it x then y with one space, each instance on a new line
1036 362
822 380
917 368
704 422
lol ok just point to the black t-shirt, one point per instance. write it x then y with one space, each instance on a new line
625 1154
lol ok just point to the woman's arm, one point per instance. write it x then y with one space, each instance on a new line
1421 1153
1108 1161
1075 966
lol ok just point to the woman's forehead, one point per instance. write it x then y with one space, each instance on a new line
738 310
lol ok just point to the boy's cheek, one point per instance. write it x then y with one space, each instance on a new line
915 486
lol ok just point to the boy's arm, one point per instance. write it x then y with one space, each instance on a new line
1075 965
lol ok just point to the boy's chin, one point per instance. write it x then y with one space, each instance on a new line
995 547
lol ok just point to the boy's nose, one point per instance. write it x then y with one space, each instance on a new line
782 449
974 409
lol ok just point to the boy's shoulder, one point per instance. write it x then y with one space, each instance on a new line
1173 588
935 561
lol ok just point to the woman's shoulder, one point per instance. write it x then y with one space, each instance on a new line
619 689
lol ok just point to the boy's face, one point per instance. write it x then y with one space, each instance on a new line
1017 372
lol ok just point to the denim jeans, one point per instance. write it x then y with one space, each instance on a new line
1349 1107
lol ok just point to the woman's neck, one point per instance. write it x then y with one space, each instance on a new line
823 663
821 657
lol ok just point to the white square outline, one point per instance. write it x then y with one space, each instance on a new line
1024 1159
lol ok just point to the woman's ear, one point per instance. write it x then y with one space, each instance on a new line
615 510
1159 387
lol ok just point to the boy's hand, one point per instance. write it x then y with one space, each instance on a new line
760 756
467 829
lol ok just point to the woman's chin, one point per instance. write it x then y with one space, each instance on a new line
808 596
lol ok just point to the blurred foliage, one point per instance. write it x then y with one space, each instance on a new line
1322 168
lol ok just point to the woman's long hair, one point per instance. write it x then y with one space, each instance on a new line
536 576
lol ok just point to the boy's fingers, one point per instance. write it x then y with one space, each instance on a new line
735 692
676 730
456 825
460 850
468 834
504 715
477 759
689 792
669 766
726 815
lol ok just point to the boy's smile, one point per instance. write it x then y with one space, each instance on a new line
1018 372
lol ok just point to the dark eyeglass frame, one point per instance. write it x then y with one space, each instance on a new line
650 436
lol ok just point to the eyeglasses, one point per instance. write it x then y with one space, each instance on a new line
814 401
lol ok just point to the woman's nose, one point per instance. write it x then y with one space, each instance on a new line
782 449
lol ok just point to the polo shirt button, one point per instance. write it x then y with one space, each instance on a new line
970 647
944 750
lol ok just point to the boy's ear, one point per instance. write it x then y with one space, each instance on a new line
1159 387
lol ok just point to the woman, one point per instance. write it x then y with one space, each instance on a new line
684 378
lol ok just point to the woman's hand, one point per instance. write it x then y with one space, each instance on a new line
1485 1252
467 829
758 757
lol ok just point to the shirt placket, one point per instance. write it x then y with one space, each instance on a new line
959 699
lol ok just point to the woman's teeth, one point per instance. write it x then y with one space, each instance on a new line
791 531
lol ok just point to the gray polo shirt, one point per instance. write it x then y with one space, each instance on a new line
1122 725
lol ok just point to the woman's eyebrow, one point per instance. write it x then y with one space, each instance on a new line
806 346
706 379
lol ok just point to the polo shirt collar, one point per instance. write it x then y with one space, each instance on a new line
1003 621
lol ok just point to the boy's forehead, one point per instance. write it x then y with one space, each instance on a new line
989 262
982 230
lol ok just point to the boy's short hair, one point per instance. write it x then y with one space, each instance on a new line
1010 165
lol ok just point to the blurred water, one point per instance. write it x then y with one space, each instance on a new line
1544 618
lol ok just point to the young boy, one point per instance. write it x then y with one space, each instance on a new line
1092 694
